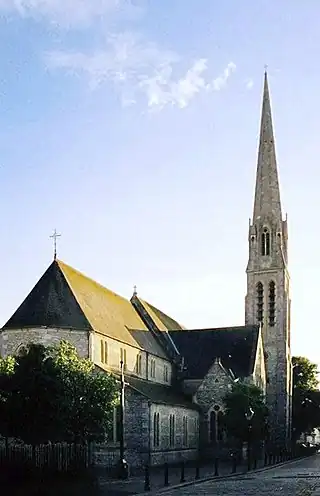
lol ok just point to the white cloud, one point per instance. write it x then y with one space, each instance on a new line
249 84
161 89
67 13
140 68
218 83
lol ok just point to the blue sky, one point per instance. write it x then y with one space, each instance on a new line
132 128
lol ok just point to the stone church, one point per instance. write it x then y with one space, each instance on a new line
176 378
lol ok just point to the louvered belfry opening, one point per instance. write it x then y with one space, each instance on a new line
260 302
272 303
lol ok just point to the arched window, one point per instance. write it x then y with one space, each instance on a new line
220 425
260 302
105 352
265 242
156 429
101 350
21 350
215 425
272 303
185 430
138 367
171 430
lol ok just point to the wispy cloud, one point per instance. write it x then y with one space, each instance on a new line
136 67
140 68
218 83
249 84
67 13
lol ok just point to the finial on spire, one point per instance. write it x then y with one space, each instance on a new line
265 68
55 235
135 291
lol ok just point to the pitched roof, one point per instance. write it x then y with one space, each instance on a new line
158 393
63 297
51 303
235 346
162 321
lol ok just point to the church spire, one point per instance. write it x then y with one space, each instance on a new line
267 192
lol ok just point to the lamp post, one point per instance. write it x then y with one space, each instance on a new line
249 416
123 471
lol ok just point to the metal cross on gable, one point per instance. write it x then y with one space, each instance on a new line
55 235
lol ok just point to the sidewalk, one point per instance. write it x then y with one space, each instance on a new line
135 485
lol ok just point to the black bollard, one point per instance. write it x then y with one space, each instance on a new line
265 458
216 467
270 458
147 478
249 461
197 471
255 463
182 478
234 464
166 474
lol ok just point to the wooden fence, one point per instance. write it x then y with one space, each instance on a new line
59 457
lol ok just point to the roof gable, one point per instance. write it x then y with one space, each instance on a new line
51 303
236 347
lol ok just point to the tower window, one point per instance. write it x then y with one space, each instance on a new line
265 242
260 302
272 303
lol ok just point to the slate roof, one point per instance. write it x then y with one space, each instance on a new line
235 346
162 321
63 297
158 393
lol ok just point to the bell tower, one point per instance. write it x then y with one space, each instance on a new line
267 299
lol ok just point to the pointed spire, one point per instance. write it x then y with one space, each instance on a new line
267 193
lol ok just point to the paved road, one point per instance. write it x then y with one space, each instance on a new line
298 478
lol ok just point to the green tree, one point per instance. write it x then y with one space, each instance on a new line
306 400
54 395
238 403
88 396
305 374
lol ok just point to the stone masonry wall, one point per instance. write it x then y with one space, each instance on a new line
210 393
180 450
12 339
139 435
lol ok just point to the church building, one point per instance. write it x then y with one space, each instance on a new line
176 378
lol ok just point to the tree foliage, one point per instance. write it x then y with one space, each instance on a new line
238 403
306 396
51 394
305 374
